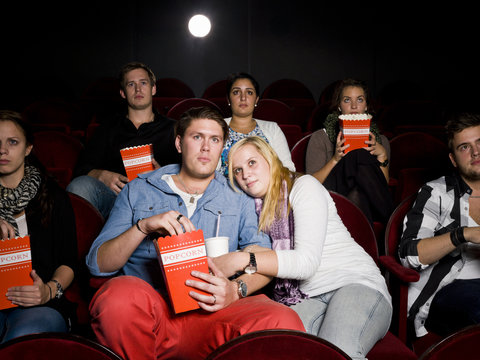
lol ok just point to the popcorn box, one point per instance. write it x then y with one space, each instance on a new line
178 255
355 129
15 266
137 159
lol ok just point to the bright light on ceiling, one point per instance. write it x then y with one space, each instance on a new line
199 26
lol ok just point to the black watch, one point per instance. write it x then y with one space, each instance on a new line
242 288
383 164
252 266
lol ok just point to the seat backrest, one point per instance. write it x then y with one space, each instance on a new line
173 87
394 229
293 133
88 224
277 345
357 224
179 108
460 345
410 180
317 117
409 111
299 152
58 152
273 110
51 346
328 92
218 89
164 104
417 149
287 88
56 149
54 114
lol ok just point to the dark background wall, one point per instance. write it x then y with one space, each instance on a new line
59 48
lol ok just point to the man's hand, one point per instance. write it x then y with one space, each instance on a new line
223 291
170 222
113 180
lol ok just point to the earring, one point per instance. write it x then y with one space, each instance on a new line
256 105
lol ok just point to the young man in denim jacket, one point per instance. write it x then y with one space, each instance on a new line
130 313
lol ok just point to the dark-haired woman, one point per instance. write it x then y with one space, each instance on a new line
243 95
33 204
362 174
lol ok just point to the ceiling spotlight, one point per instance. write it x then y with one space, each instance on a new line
199 26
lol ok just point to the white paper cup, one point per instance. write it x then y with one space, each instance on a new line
216 246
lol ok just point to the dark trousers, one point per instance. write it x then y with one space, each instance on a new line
358 177
454 307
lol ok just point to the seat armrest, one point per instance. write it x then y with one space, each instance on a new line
97 281
398 270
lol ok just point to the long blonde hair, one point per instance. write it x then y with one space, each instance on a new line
273 202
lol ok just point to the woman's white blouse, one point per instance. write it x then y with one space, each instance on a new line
325 257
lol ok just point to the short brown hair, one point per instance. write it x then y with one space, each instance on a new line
133 66
195 113
457 122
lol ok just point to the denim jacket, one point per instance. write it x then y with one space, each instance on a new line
149 195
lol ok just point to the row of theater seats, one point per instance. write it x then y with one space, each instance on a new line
266 345
416 157
287 101
393 346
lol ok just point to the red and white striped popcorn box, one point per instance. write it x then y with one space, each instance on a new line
15 266
137 159
355 129
178 256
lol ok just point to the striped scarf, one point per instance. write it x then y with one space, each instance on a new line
14 201
286 291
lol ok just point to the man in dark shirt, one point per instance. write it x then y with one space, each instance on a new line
100 173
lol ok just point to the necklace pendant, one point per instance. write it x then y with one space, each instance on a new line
192 200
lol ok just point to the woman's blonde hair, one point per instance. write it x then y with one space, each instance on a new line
273 202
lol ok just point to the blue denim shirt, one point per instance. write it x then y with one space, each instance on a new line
149 195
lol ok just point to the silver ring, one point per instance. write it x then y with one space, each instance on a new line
179 217
214 300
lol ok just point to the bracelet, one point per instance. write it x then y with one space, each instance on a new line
457 237
138 227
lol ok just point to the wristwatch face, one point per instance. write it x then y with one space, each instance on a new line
242 288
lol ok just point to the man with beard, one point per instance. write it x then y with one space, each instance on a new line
100 173
441 238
